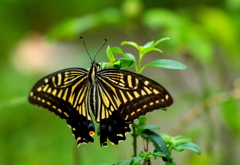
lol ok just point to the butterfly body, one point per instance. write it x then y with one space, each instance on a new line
115 97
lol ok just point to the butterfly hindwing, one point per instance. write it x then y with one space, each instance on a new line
65 93
113 128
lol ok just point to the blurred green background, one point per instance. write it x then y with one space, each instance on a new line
40 37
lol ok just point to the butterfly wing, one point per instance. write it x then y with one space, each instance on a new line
123 97
66 93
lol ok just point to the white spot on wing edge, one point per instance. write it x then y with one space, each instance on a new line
166 97
146 82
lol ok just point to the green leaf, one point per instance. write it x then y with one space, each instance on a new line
149 127
190 146
149 44
123 63
181 139
146 50
170 163
118 50
165 136
147 155
157 141
104 64
144 154
167 64
136 160
142 120
123 162
130 56
130 43
158 154
160 41
110 54
158 50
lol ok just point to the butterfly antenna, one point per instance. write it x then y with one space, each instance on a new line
86 48
100 48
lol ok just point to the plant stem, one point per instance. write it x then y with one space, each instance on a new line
138 71
145 162
134 140
139 63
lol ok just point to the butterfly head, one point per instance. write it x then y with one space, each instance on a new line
95 66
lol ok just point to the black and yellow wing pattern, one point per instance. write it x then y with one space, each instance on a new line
115 97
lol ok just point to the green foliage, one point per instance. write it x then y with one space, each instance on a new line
179 143
167 64
163 144
131 61
70 28
231 119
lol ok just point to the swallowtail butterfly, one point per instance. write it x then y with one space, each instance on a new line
115 97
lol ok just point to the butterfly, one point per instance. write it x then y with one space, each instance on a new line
115 97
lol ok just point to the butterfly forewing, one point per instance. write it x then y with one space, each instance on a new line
66 93
136 94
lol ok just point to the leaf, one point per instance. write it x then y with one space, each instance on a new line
130 56
142 120
157 141
110 54
158 154
181 139
123 162
167 64
158 50
104 64
165 136
130 43
149 44
118 50
146 50
144 154
170 163
123 63
160 41
190 146
136 160
149 127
